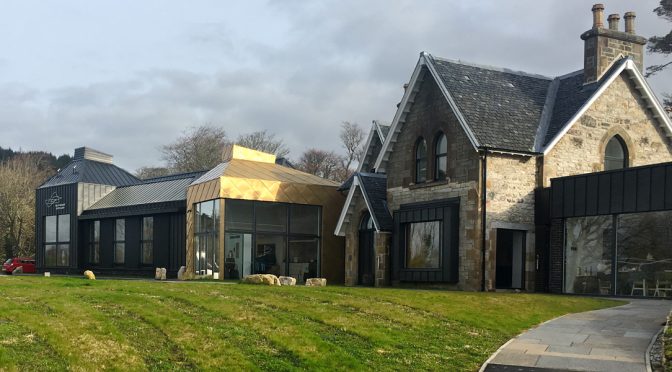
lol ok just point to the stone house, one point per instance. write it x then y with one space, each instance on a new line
447 194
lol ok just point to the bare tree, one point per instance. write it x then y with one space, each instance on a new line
197 149
264 141
351 138
661 44
144 173
325 164
20 176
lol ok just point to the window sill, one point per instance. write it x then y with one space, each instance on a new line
413 186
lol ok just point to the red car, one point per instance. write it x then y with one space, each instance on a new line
28 265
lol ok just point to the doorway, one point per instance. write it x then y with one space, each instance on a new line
510 263
366 251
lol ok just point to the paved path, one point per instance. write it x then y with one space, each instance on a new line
614 339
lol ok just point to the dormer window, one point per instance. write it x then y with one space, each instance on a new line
441 157
615 154
420 160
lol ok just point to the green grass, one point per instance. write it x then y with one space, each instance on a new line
71 323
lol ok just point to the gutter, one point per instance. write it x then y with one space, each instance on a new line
484 178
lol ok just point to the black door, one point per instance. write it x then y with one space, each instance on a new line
366 252
510 268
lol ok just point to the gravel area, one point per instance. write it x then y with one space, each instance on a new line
656 355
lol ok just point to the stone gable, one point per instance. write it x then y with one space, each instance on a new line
619 110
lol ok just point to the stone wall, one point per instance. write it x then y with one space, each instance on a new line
510 185
429 116
617 111
381 242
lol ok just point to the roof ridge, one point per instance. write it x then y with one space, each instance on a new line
570 74
174 176
546 114
490 67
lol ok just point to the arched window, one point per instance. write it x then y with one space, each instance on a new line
616 154
420 160
366 223
441 157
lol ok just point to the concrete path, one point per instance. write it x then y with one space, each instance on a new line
614 339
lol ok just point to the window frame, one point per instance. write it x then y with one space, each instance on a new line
57 244
94 242
118 243
440 155
624 149
419 176
146 241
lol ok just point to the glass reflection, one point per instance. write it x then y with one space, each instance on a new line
588 246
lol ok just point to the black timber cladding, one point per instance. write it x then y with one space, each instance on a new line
55 201
632 190
446 211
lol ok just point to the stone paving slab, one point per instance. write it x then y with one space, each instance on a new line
614 339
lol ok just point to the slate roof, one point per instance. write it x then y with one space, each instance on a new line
502 107
571 95
90 171
157 190
374 186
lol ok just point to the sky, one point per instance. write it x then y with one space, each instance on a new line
126 77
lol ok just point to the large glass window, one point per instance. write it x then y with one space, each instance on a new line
304 219
147 241
303 258
57 240
94 242
270 254
616 154
441 157
423 246
272 238
638 262
271 217
588 247
238 255
239 215
119 241
206 238
420 160
644 254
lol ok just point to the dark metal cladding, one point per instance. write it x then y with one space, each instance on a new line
90 171
639 189
51 201
446 211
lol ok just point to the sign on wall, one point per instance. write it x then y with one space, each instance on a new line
55 201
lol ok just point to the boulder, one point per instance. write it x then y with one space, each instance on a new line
157 273
18 270
180 272
287 280
266 279
88 274
316 282
163 273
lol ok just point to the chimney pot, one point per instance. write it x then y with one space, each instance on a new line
629 22
613 21
598 15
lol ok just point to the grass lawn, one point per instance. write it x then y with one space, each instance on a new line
71 323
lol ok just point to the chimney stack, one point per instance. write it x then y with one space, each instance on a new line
613 21
603 46
629 22
598 15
